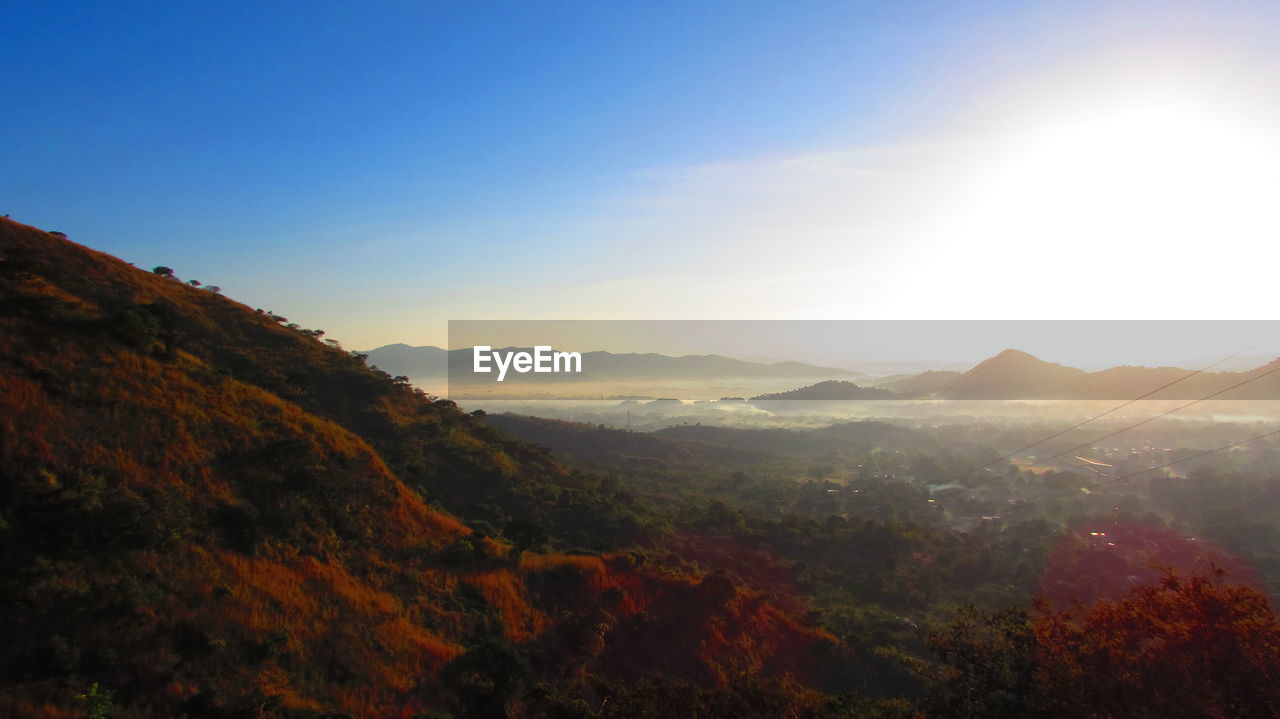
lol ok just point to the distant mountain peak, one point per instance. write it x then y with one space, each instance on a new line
1016 354
404 346
1013 358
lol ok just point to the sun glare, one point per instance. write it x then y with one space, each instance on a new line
1134 181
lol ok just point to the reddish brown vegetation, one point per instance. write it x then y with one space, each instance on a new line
1182 647
199 510
1197 646
1106 559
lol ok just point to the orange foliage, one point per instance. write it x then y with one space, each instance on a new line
259 543
504 590
1181 647
416 524
1103 559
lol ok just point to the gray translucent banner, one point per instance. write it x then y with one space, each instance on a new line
856 360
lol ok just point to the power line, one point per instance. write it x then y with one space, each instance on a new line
1152 419
1166 413
1118 407
1113 409
1113 480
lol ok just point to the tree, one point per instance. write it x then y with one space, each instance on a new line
525 535
97 702
163 271
987 666
1181 647
486 678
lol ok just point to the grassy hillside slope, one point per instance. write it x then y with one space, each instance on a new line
212 513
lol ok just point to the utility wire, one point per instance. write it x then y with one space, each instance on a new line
1166 413
1119 407
1206 453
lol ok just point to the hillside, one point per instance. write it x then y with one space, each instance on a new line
828 390
930 381
210 512
1014 374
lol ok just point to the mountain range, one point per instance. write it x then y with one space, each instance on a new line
1014 374
434 363
1011 374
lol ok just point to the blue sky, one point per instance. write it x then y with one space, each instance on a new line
375 171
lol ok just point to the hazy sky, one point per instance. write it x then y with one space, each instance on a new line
376 169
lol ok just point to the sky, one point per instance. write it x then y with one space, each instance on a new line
378 169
